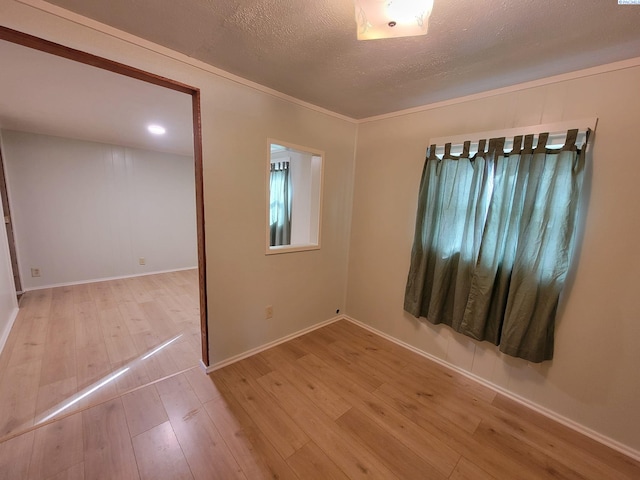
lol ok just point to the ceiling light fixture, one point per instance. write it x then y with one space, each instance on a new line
157 129
392 18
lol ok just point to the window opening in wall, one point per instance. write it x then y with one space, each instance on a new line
294 197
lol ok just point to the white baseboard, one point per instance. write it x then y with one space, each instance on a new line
598 437
106 279
7 330
202 366
266 346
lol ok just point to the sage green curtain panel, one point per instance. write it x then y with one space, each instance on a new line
280 204
493 240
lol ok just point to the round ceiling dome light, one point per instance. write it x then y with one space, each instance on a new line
157 129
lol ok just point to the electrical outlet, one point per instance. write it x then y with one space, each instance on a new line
268 312
142 261
35 272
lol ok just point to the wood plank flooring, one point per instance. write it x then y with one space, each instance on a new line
337 403
66 339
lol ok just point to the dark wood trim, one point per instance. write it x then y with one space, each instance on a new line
43 45
202 259
30 41
8 220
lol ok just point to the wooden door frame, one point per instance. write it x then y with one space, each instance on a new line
20 38
8 221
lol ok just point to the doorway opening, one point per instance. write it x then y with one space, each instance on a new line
46 46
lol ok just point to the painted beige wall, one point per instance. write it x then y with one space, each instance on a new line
304 288
593 379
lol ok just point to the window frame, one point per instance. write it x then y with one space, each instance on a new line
302 247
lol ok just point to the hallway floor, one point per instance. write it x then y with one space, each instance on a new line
76 346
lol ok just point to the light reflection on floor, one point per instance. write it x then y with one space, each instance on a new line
86 392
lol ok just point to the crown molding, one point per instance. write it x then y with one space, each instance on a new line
587 72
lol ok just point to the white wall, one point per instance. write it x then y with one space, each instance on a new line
301 199
305 288
593 378
315 197
84 210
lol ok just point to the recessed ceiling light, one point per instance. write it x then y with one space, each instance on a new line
157 129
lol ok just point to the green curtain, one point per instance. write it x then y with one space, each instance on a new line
280 204
493 240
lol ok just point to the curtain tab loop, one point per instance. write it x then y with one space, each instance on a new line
447 150
465 149
492 147
496 146
528 144
542 142
570 142
481 146
517 144
432 152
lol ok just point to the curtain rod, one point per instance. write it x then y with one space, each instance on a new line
557 132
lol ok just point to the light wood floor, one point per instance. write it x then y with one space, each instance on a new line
66 339
336 403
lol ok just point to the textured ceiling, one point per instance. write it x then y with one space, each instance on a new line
308 48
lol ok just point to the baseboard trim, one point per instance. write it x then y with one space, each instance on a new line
202 366
105 279
598 437
7 330
267 346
